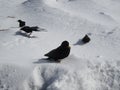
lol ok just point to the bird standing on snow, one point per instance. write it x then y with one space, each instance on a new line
59 53
21 23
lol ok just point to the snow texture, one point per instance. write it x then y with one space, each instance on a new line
91 66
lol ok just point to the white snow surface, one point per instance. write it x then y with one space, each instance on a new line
91 66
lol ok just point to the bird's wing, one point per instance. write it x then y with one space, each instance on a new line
51 53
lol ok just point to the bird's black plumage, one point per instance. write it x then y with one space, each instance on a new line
35 28
28 29
21 23
59 53
86 39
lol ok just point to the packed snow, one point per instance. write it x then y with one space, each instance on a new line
91 66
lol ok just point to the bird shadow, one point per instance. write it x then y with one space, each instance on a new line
4 29
19 33
79 42
44 60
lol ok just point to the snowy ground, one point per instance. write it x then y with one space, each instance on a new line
91 66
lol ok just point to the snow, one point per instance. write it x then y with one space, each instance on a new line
91 66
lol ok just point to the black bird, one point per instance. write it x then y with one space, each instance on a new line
86 39
59 53
29 30
21 23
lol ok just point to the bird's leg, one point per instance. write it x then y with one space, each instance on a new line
29 34
58 61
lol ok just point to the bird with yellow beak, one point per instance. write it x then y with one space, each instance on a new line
60 52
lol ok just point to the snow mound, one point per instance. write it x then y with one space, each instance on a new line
102 76
11 77
54 77
96 76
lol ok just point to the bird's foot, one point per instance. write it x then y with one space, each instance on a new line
58 61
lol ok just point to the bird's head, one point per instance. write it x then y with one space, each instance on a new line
19 20
65 44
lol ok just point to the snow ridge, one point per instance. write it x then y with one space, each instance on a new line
96 76
54 77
